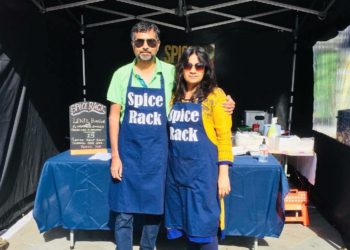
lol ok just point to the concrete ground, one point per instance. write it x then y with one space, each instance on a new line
320 235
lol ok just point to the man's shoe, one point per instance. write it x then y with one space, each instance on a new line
3 244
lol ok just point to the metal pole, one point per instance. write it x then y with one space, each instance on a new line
71 239
295 47
291 7
255 243
148 6
13 135
71 5
82 33
40 7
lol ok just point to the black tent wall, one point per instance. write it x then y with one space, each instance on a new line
254 65
38 62
331 192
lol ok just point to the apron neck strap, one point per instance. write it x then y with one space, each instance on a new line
161 79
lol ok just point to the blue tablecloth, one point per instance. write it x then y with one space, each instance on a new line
255 205
73 193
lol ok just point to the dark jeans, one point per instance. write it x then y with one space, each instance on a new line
203 246
123 231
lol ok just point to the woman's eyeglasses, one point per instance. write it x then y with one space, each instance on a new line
197 66
152 43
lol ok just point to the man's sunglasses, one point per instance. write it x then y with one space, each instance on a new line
197 66
152 43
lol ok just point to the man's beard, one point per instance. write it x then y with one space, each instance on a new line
145 57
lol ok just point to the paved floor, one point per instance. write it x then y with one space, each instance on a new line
318 236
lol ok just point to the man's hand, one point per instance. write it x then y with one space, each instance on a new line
229 105
117 168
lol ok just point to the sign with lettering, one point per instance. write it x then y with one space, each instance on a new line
144 100
186 134
171 53
87 122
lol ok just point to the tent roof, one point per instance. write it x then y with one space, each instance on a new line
190 15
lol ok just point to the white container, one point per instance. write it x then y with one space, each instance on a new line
250 117
307 144
287 143
248 140
266 129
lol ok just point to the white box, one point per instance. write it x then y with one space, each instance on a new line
287 143
250 141
250 117
294 145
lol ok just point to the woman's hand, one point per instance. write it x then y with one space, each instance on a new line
229 105
116 168
224 186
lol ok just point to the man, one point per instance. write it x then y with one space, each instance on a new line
140 94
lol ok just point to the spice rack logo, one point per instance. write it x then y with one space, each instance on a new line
171 53
87 107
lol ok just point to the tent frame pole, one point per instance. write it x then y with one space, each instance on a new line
148 6
82 35
248 19
291 7
71 5
233 17
295 48
208 9
216 6
40 6
13 136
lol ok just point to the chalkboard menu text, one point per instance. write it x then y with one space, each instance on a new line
87 128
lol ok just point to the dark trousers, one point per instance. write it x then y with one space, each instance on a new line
203 246
123 231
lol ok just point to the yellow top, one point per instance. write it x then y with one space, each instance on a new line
217 124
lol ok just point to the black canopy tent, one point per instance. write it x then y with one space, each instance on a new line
260 44
188 17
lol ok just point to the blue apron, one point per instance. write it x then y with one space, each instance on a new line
191 204
143 149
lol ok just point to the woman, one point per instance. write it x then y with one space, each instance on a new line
200 153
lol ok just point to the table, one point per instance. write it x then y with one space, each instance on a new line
255 205
305 165
304 162
73 193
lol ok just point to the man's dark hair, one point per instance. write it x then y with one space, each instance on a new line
144 26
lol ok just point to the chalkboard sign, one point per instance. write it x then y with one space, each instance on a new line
87 122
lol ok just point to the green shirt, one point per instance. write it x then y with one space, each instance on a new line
119 83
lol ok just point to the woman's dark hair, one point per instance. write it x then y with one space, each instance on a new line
208 82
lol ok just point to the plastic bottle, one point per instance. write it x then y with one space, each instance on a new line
263 152
272 132
269 114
